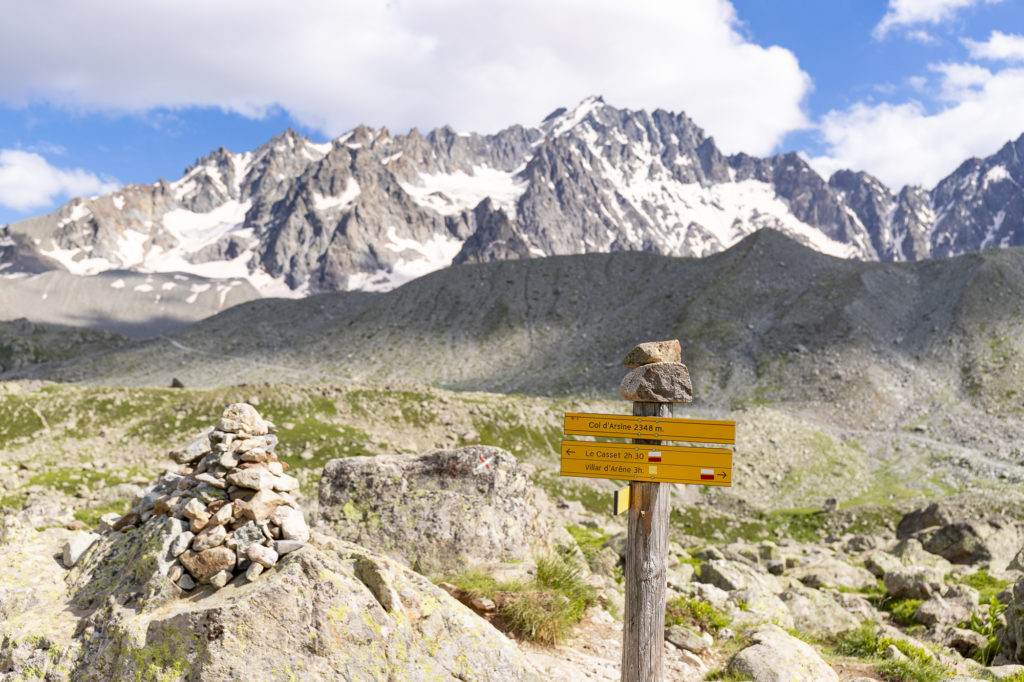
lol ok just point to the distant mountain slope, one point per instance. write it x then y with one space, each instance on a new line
766 320
370 211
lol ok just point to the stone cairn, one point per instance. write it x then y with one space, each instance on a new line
233 499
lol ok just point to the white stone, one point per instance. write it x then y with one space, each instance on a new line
291 522
261 555
75 547
285 483
220 578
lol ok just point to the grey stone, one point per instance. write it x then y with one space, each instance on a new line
244 536
76 546
687 638
660 382
818 612
180 543
283 547
778 657
913 582
831 572
919 519
653 351
993 541
964 641
733 575
186 582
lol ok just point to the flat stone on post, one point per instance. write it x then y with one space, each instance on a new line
658 382
653 351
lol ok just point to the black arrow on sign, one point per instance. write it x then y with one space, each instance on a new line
569 451
722 474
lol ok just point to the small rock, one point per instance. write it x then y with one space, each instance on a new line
74 525
212 536
75 547
831 505
220 578
686 638
893 654
260 506
203 565
660 382
211 480
175 572
253 571
186 582
283 547
653 351
193 509
285 483
261 555
180 543
253 479
291 522
482 605
107 522
222 515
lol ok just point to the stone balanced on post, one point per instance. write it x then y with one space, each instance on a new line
233 499
658 380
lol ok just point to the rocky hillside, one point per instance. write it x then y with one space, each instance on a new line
934 344
371 210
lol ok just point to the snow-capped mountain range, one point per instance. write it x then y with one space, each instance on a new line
370 210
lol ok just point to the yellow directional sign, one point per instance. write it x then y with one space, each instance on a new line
655 428
658 463
621 501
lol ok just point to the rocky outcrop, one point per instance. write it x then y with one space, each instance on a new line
439 511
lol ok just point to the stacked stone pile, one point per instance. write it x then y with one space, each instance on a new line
233 501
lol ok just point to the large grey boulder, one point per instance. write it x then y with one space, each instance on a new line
439 511
778 657
928 517
832 572
1011 638
818 612
993 541
913 582
734 575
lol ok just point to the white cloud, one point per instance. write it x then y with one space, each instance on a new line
476 65
908 144
28 181
913 12
999 47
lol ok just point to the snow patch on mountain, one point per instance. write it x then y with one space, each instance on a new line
327 203
452 193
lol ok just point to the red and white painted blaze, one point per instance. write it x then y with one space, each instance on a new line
653 456
707 474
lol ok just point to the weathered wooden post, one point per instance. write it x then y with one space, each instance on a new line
657 381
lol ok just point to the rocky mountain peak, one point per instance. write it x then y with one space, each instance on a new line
372 210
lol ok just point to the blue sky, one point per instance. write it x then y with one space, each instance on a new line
101 94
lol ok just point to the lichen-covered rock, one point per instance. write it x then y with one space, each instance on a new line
778 657
312 617
818 612
659 382
439 511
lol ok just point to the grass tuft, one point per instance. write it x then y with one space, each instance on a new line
695 613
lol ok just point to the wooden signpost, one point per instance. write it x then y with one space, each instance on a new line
657 380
